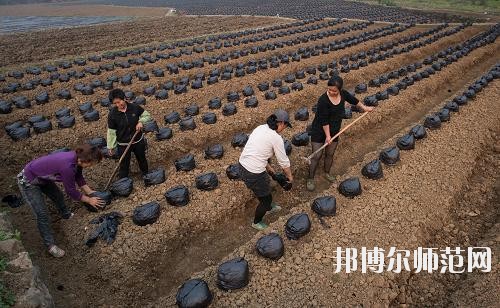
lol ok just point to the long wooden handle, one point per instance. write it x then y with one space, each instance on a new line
336 135
120 161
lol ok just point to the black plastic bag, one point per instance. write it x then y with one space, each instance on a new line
214 103
284 90
106 229
297 86
172 117
271 246
270 95
282 180
185 163
62 112
122 187
194 293
325 206
99 142
406 142
312 80
452 106
361 88
177 196
432 122
229 109
160 95
233 274
233 96
418 131
13 126
187 123
207 181
36 118
42 127
233 172
215 151
263 86
300 139
5 107
154 177
146 214
460 100
371 100
192 110
373 170
21 102
64 94
389 156
150 126
297 226
19 133
302 114
251 102
164 133
209 118
85 107
239 140
13 201
444 115
248 91
350 187
90 116
66 122
105 196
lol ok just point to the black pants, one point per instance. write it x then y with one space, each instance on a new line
139 150
259 184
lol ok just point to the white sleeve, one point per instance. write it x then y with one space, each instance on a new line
279 151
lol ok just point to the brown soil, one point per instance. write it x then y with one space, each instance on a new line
37 47
146 263
456 172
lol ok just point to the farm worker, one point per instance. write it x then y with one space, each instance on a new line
262 143
123 120
38 178
327 123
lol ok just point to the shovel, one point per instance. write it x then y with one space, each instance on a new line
120 161
308 158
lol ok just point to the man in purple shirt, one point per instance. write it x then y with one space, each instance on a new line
38 178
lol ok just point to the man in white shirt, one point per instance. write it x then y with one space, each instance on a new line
263 143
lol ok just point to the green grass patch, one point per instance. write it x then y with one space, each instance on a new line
7 298
8 235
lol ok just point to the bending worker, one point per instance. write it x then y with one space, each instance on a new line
327 123
262 143
38 179
124 119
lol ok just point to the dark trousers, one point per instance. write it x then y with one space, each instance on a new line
139 150
33 195
259 184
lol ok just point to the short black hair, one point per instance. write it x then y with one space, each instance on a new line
336 81
272 122
116 93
